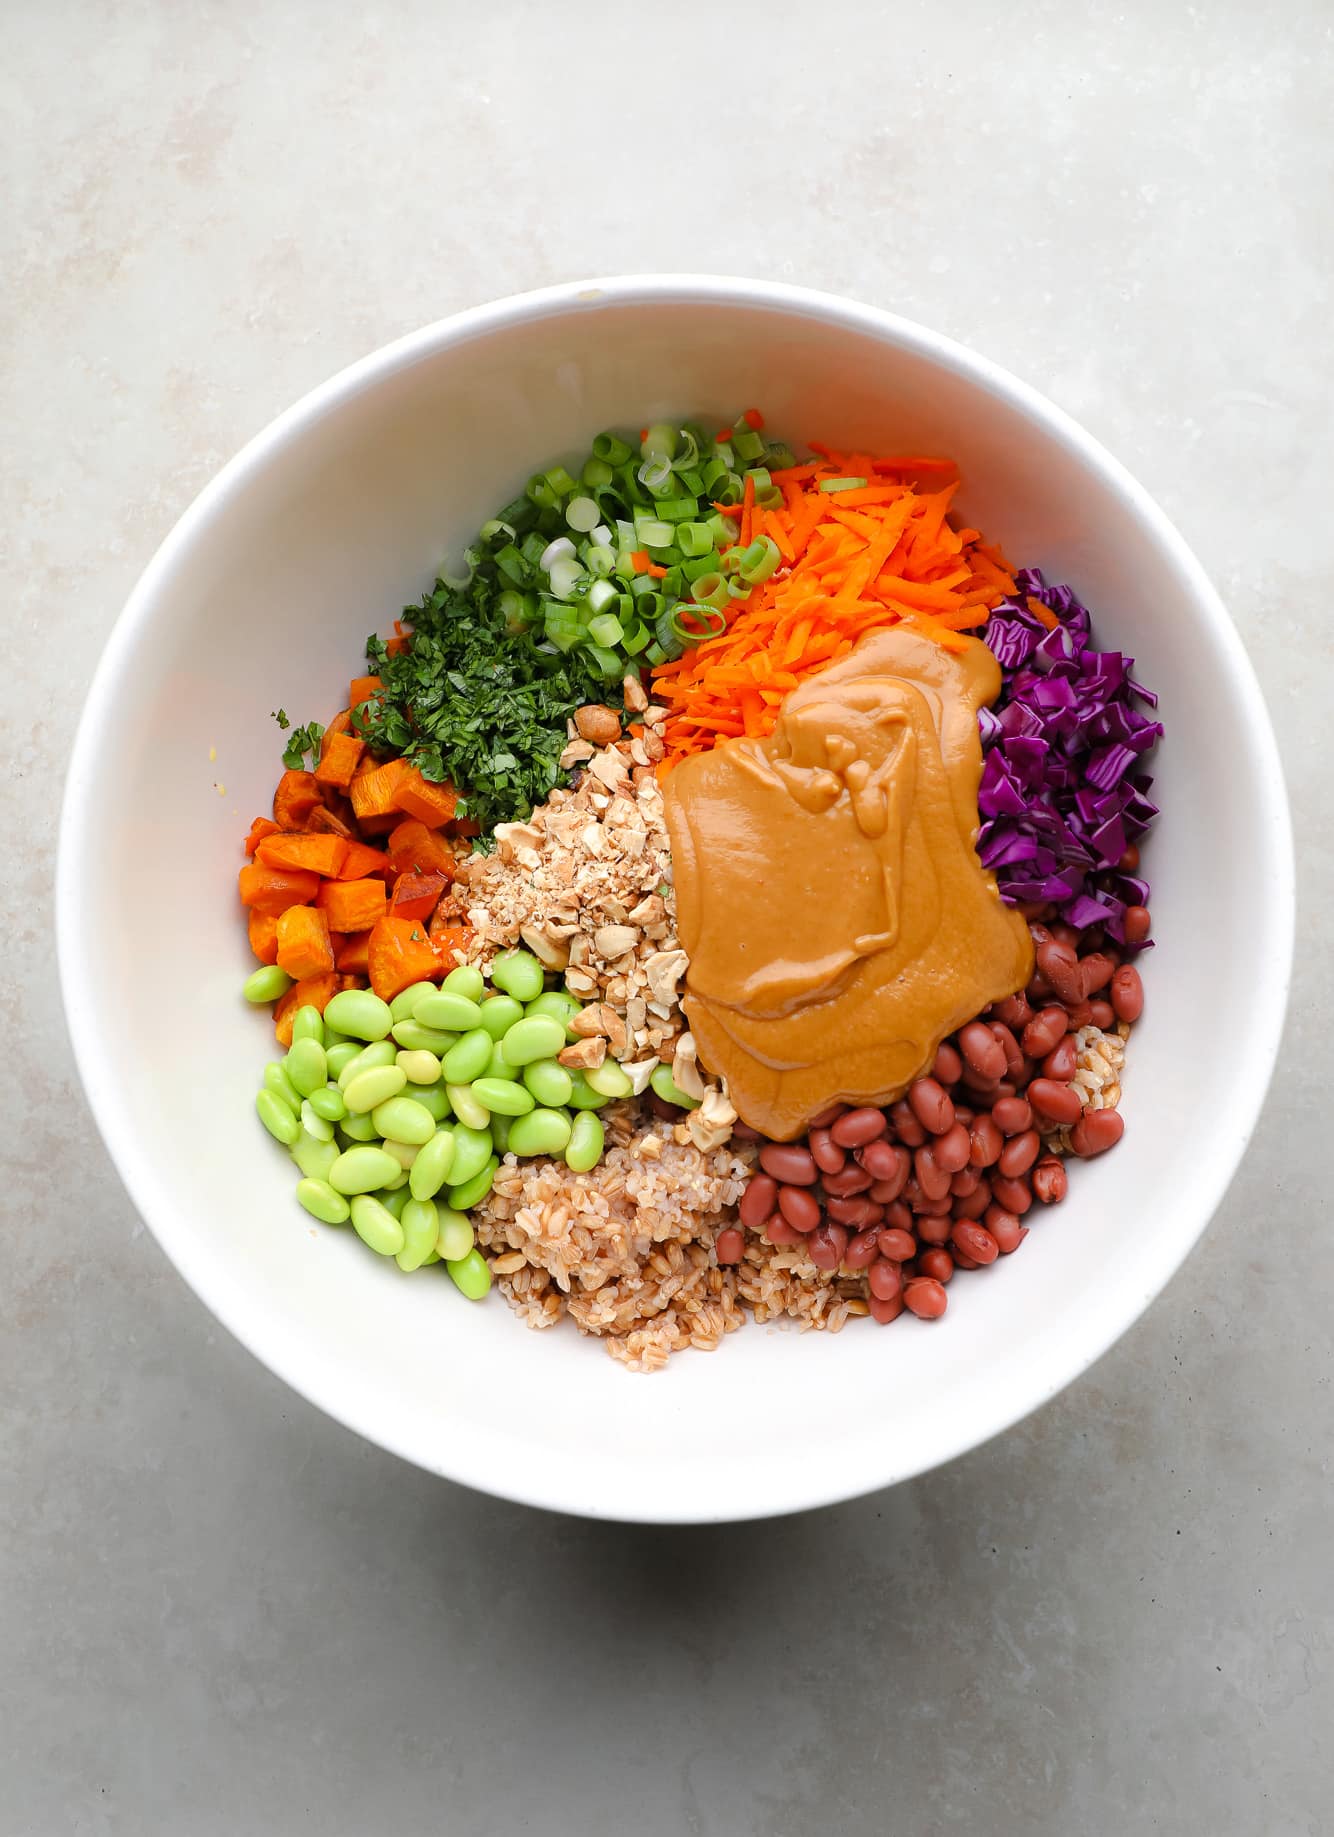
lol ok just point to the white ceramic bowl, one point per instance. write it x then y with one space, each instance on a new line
322 529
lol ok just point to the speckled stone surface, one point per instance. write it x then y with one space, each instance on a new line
219 1613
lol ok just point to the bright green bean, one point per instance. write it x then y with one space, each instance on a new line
534 1037
307 1065
359 1129
328 1103
375 1226
587 1139
361 1170
609 1079
456 1234
281 1086
560 1005
308 1024
433 1098
471 1191
314 1124
332 1037
312 1157
499 1013
451 1013
582 1096
669 1090
405 1153
500 1131
339 1057
469 1109
401 1120
383 1052
465 981
400 1179
472 1148
519 974
404 1005
471 1275
277 1118
502 1095
413 1037
549 1082
359 1013
469 1059
498 1066
431 1168
421 1228
370 1088
266 983
420 1067
321 1201
394 1202
541 1132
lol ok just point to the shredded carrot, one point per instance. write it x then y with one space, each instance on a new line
639 560
753 419
655 572
854 561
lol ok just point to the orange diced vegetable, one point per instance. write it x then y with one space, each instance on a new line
361 689
274 889
361 861
326 822
341 724
315 992
263 930
416 896
352 954
415 849
433 804
375 793
449 937
320 854
378 825
295 798
260 828
304 949
399 953
339 760
353 905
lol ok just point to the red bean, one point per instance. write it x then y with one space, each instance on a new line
1095 972
827 1245
1050 1181
933 1227
1065 933
898 1246
1102 1014
951 1150
962 1260
986 1142
966 1181
863 1249
947 1064
1057 1102
884 1161
788 1162
1014 1195
1006 1229
1014 1058
884 1192
982 1050
825 1152
925 1298
936 1263
909 1131
1097 1131
979 1086
742 1131
1039 992
779 1231
931 1177
1019 1154
1060 965
827 1116
884 1280
1062 1062
1014 1011
799 1207
1037 930
975 1241
1127 993
1043 1031
1137 924
730 1245
1079 1015
1012 1115
930 1104
758 1200
1130 860
883 1312
974 1204
898 1217
858 1126
852 1180
858 1212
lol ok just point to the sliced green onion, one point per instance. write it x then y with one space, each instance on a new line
606 629
711 590
655 474
729 490
518 513
695 565
608 663
694 624
496 526
676 510
660 440
540 491
599 559
602 595
582 514
656 655
510 561
778 456
674 582
759 560
532 548
693 538
555 551
652 534
559 480
842 484
601 533
565 572
746 444
517 609
562 625
636 637
611 448
596 472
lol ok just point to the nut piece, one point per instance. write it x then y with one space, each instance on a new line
584 1055
598 723
633 691
551 951
612 941
664 970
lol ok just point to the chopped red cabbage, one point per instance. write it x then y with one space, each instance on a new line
1062 795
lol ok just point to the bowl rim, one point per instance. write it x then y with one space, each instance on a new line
93 1054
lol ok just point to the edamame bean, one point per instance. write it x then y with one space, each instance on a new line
314 1124
404 1004
421 1227
469 1058
550 1083
394 1202
669 1090
374 1087
451 1013
500 1131
312 1157
466 1107
307 1065
433 1258
468 1194
609 1079
332 1037
502 1095
471 1275
401 1120
560 1005
361 1170
499 1013
400 1179
587 1139
266 983
519 973
582 1096
472 1148
375 1226
308 1024
383 1052
433 1098
405 1153
541 1132
498 1066
320 1200
456 1234
431 1168
360 1013
328 1103
359 1128
281 1086
413 1037
465 981
277 1118
536 1036
339 1057
420 1067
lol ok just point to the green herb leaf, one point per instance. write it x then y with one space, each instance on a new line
281 717
304 740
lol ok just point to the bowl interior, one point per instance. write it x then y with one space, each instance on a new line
263 597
